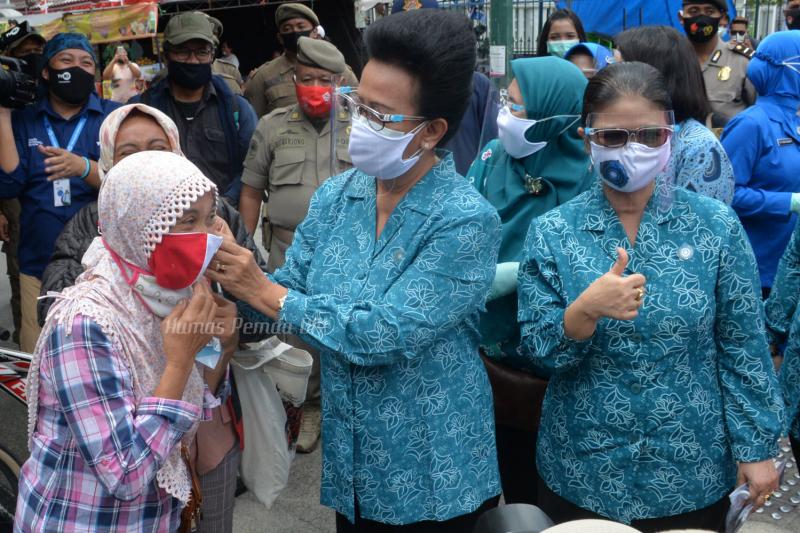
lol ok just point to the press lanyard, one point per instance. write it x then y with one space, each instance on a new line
72 140
62 194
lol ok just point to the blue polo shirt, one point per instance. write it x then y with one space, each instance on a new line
41 221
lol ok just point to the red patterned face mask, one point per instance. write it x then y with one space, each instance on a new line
315 101
180 259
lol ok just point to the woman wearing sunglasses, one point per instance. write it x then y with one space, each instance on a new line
642 300
699 161
537 164
386 276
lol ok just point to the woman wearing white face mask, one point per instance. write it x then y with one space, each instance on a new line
643 301
537 164
386 275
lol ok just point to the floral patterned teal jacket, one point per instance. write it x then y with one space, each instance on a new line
648 418
407 416
783 326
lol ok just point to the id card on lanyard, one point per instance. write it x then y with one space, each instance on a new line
62 195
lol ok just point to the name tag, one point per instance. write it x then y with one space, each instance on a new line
785 142
61 193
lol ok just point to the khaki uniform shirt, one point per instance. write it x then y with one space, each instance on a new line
272 85
230 73
728 89
290 159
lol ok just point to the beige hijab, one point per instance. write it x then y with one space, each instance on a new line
110 128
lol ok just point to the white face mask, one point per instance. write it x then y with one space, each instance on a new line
512 129
380 153
632 167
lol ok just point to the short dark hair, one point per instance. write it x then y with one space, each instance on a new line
672 54
437 48
625 79
558 14
741 20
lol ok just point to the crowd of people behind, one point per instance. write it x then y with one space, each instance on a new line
579 292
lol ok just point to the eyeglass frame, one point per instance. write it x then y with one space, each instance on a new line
210 48
504 102
383 118
317 82
631 132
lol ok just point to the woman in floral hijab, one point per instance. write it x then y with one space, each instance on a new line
113 389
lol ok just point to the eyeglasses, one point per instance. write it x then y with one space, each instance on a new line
505 101
377 121
326 81
650 136
184 54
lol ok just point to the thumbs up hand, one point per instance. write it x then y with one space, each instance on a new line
614 295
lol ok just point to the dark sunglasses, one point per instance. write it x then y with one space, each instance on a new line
650 136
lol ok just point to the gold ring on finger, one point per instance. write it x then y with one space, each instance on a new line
639 293
767 497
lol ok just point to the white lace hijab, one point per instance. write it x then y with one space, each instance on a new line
141 199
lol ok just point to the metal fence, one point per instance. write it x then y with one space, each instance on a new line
528 18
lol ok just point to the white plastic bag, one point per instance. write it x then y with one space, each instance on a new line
271 379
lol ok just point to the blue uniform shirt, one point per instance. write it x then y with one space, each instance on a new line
647 418
41 221
407 415
763 143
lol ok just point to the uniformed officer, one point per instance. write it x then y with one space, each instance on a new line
272 85
289 158
724 64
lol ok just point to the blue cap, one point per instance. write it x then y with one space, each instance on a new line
602 55
67 41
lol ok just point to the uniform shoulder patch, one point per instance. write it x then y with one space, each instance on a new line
743 50
715 57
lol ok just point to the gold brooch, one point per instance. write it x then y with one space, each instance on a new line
533 185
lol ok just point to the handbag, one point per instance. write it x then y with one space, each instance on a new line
518 395
192 511
271 379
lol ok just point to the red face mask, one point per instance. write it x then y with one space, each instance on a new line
180 259
315 101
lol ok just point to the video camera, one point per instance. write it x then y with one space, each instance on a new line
17 89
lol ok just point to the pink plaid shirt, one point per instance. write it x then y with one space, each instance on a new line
95 452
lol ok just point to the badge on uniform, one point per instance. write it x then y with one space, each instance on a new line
724 73
61 193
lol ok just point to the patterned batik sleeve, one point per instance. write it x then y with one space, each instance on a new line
751 396
124 443
782 302
447 282
541 309
292 275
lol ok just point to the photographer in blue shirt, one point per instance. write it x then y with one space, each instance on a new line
48 159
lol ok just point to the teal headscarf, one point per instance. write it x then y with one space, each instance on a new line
523 189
